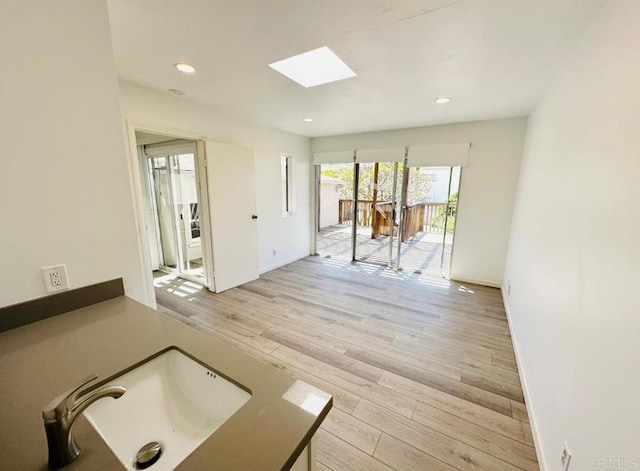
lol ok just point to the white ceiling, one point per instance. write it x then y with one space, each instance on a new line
495 58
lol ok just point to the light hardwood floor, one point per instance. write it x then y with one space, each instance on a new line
422 370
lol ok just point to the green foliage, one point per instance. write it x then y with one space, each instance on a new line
419 186
437 222
344 173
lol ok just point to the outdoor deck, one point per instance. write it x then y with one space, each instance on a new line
421 254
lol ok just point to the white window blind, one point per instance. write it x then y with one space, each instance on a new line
447 155
390 154
336 157
176 147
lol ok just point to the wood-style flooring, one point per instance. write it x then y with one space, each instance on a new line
422 371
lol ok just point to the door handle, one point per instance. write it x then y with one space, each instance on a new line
253 216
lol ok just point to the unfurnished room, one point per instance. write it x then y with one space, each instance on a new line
246 235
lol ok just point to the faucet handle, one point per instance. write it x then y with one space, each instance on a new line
67 399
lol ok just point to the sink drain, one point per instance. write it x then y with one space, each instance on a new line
148 455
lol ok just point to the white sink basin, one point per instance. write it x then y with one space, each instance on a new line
172 400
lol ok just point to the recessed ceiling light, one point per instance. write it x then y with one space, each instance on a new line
186 68
307 120
175 91
442 100
314 68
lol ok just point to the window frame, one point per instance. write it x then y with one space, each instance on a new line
287 187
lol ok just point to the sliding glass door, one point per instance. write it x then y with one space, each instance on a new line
388 212
173 182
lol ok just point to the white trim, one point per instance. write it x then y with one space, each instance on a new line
135 181
153 224
491 284
291 211
542 462
165 131
281 264
334 157
175 147
205 214
315 181
455 223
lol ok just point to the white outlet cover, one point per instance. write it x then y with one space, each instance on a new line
55 278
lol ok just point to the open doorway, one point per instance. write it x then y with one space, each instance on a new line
170 174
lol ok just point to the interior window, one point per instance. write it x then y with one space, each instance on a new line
286 163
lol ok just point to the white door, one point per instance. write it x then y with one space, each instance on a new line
232 202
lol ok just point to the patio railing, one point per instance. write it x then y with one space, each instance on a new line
435 216
365 212
383 222
413 220
428 217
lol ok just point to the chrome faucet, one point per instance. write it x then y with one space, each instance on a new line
60 414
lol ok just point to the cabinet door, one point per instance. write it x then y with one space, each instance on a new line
232 202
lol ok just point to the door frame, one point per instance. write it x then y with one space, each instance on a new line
136 182
190 147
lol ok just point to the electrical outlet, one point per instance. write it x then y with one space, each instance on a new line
55 278
565 459
274 252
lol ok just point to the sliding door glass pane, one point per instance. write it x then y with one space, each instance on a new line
335 211
375 212
428 219
159 168
450 223
187 214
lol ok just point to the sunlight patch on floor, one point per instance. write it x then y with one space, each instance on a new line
371 269
177 286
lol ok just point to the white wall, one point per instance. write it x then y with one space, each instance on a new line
64 187
487 190
439 183
574 252
290 236
329 204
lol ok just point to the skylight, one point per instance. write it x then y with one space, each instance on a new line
313 68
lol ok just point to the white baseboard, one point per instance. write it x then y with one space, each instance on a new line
542 462
281 264
492 284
